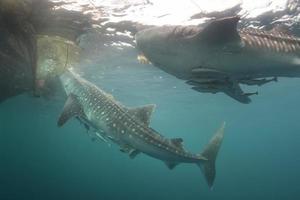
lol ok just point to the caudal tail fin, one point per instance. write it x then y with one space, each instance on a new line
210 153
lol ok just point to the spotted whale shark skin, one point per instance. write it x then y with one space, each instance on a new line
129 127
217 57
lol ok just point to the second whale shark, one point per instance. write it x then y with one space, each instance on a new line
129 127
218 57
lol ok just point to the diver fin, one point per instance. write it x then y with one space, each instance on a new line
171 165
71 108
177 142
221 30
210 153
143 113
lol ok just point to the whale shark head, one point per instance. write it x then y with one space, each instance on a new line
70 81
167 47
154 43
178 49
161 40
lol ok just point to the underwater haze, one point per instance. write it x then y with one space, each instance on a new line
259 158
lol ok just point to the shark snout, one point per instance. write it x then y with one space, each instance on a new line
143 44
148 38
140 40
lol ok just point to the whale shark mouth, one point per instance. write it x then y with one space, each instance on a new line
143 59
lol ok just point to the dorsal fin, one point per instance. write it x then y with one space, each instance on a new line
221 30
134 153
177 142
71 108
142 113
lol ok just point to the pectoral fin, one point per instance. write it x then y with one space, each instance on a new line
131 151
206 73
142 113
72 108
171 165
237 93
134 153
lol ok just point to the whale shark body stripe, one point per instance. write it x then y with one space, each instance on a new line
272 41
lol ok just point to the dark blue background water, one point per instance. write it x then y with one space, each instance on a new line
259 158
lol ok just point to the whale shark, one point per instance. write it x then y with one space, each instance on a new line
129 127
218 56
